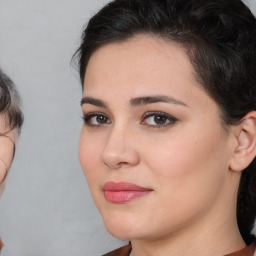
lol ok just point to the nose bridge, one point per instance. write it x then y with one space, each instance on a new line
119 149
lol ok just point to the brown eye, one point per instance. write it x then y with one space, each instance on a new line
101 119
158 119
96 119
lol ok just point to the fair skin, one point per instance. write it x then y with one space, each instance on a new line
7 142
148 122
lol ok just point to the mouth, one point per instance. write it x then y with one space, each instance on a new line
123 192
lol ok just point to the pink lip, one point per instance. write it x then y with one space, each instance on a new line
123 192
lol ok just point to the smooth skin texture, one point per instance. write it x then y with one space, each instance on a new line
149 122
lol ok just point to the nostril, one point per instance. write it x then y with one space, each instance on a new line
115 165
122 163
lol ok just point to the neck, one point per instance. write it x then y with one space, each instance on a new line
214 236
199 244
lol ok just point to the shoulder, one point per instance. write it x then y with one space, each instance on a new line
123 251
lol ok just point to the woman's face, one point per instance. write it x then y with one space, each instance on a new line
153 149
7 142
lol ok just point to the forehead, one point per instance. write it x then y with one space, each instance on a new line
140 61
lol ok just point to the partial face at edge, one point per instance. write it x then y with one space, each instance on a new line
7 142
149 123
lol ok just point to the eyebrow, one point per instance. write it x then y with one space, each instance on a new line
93 101
156 99
136 101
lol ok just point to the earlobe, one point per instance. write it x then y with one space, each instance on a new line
245 149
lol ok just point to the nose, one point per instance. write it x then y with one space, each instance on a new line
120 149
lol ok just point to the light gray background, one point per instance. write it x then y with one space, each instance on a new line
46 209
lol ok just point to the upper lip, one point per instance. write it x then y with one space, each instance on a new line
123 186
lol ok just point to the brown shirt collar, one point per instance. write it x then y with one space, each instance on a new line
125 251
247 251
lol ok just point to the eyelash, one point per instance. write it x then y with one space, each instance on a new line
166 118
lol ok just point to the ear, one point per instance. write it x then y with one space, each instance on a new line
245 149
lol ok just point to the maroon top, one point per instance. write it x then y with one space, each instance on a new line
1 243
126 250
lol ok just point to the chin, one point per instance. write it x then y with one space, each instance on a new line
121 227
121 233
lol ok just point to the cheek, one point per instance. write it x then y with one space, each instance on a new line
6 156
188 165
187 151
89 157
2 171
186 174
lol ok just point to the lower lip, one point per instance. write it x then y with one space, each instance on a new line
121 197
